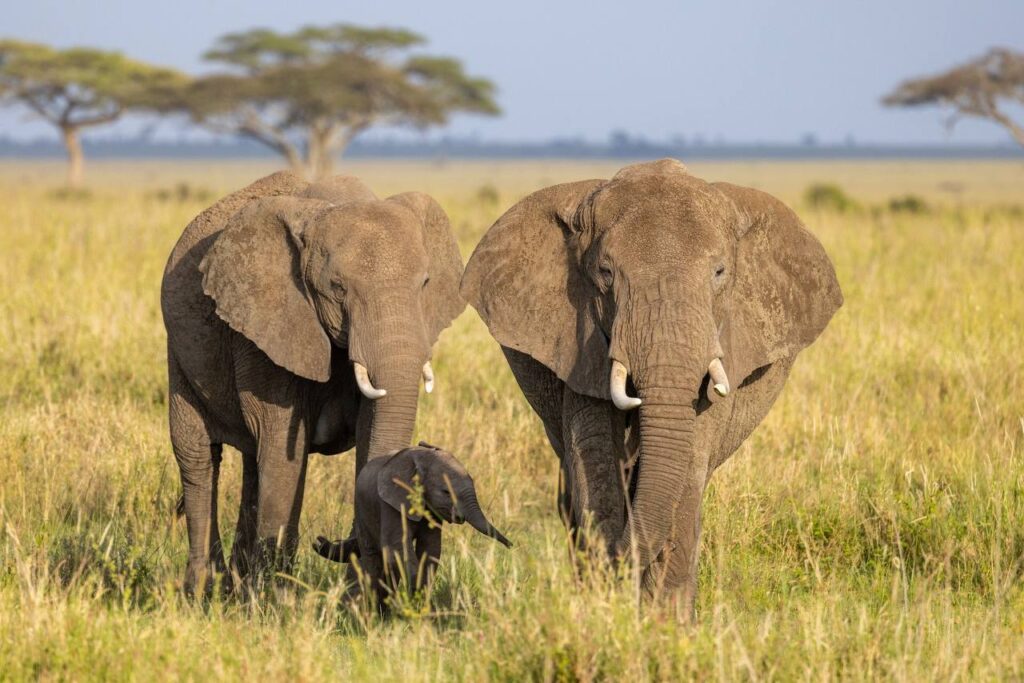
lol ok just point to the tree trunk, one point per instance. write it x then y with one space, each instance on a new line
295 162
73 146
1016 131
323 146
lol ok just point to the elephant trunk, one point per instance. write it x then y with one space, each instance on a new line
667 432
387 338
474 516
668 361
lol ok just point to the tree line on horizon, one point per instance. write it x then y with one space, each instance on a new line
307 94
304 94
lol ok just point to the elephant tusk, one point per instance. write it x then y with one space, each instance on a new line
428 377
366 387
618 388
720 381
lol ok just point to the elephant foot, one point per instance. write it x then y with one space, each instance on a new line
202 579
593 546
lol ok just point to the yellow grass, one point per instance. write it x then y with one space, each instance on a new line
873 526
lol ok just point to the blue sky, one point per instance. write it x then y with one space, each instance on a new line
739 71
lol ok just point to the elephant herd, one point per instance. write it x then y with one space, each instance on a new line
650 320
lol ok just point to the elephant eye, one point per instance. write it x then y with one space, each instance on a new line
338 286
719 272
605 272
426 280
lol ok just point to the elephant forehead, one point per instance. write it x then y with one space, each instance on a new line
383 237
651 234
657 198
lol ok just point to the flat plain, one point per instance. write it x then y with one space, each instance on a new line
872 526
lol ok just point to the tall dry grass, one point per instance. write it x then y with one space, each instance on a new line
873 526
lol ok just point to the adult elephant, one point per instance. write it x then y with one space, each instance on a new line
299 319
701 294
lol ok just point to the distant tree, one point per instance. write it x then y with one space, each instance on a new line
81 87
977 88
307 94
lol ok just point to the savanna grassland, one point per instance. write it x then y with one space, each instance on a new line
873 526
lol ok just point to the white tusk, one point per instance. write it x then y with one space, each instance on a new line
618 388
428 377
366 387
719 379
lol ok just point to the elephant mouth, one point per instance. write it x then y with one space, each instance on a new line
367 389
715 380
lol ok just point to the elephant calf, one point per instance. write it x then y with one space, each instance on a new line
401 503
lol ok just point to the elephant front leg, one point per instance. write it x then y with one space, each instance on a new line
281 466
401 566
428 552
592 466
364 425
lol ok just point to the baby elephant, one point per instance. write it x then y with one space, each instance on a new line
427 486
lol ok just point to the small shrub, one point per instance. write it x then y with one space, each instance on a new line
71 194
183 192
909 203
488 194
828 197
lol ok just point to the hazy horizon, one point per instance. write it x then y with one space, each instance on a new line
741 73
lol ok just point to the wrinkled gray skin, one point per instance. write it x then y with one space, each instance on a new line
268 298
662 272
386 541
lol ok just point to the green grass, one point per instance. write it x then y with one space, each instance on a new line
873 526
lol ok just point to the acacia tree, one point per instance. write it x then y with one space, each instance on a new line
307 94
81 87
978 88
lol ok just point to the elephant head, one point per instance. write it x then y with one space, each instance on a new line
661 277
448 491
337 267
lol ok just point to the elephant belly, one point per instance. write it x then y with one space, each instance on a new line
335 432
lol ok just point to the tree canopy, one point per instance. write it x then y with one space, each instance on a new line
81 87
980 87
325 85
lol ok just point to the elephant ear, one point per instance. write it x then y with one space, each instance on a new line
395 480
442 302
524 281
252 272
784 290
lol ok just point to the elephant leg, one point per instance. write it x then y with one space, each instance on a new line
364 425
281 468
199 466
244 547
593 433
371 566
428 552
543 391
397 540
